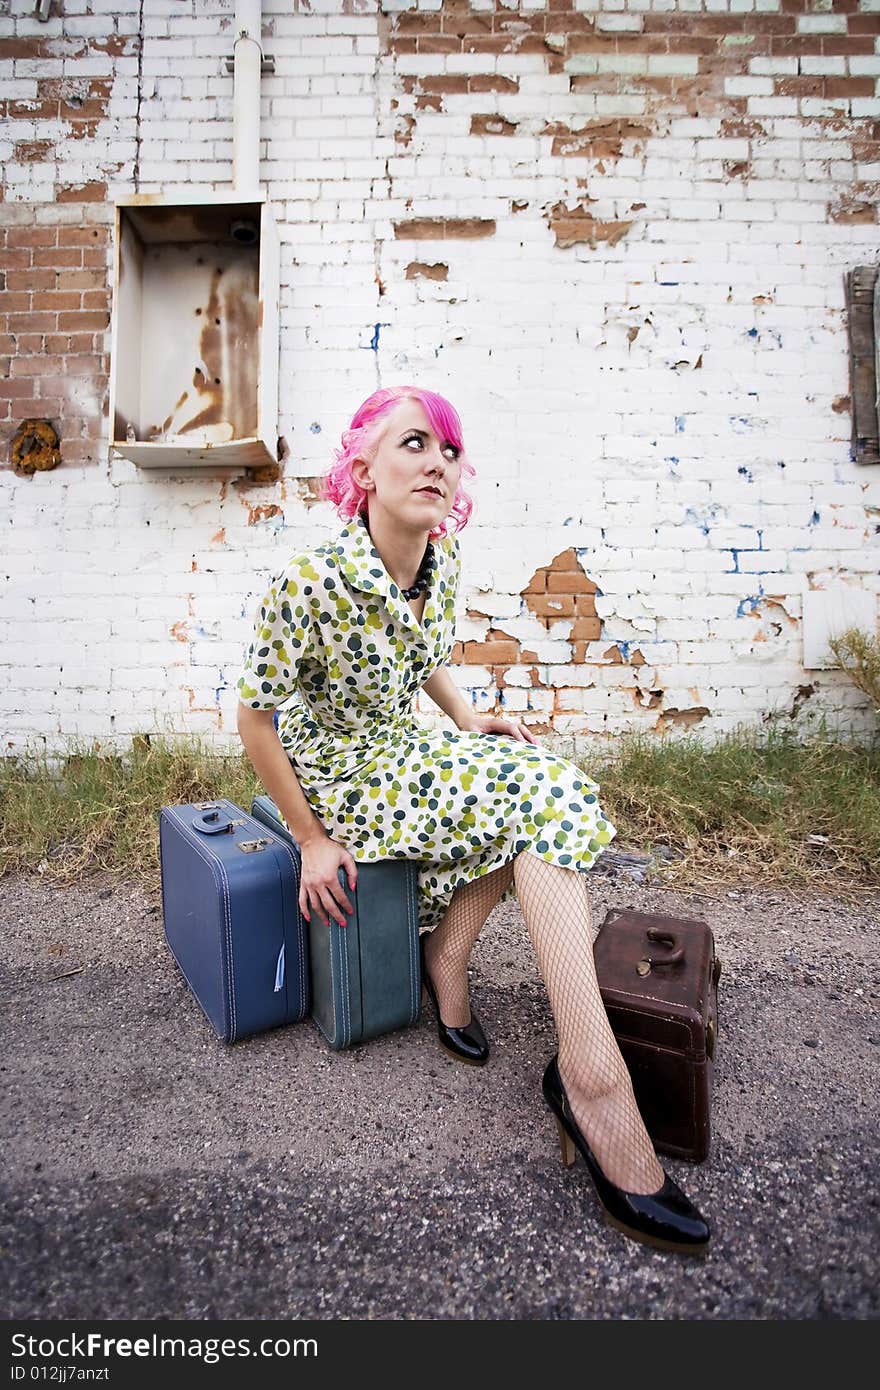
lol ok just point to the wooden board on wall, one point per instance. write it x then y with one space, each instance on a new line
862 315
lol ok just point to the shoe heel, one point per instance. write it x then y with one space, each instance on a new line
566 1144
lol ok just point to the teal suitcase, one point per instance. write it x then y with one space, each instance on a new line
365 977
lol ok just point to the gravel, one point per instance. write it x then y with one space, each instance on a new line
150 1171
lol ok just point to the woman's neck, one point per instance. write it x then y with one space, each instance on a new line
401 550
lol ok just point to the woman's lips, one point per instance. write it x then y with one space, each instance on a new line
430 491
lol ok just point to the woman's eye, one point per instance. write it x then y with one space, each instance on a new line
450 452
413 439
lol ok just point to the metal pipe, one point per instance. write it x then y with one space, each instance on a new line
246 97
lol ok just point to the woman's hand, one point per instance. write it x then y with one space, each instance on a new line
491 724
320 889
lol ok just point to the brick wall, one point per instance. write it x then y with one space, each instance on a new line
613 231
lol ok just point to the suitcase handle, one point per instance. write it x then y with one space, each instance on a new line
664 938
209 823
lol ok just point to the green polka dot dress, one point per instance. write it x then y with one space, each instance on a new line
340 653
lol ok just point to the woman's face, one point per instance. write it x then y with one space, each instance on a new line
413 476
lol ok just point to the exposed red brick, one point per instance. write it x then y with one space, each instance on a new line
586 630
421 270
484 653
574 225
492 125
478 83
444 228
849 86
552 605
36 236
57 256
569 582
82 319
438 43
27 151
83 193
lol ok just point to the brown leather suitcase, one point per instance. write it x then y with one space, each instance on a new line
659 981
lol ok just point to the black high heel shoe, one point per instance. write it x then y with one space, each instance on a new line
664 1219
467 1044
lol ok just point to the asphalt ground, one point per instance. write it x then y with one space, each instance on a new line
150 1171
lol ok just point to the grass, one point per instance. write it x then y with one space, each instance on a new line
759 806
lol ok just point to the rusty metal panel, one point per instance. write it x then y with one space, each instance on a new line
191 334
270 335
861 288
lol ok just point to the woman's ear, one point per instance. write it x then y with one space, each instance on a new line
360 471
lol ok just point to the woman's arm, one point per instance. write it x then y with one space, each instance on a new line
322 857
256 729
444 692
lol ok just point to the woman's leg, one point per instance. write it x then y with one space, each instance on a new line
557 912
448 947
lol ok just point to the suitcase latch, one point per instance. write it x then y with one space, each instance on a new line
252 846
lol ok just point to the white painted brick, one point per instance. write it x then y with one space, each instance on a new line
773 67
821 24
748 86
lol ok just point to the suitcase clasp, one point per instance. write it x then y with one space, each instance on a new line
252 846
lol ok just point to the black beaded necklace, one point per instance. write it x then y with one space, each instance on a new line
423 576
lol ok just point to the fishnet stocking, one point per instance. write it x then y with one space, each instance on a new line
449 945
557 912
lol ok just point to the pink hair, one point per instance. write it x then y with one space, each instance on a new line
362 437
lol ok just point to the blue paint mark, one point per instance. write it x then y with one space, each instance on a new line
314 428
679 424
741 424
747 605
744 473
760 535
200 632
568 520
667 282
374 341
779 463
814 520
753 333
735 570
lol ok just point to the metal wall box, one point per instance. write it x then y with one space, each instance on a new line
194 365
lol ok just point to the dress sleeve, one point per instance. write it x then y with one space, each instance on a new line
282 639
450 596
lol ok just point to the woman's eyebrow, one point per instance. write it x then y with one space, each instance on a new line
409 434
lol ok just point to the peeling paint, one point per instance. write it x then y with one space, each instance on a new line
572 226
681 718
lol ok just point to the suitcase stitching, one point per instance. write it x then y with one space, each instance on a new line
346 988
412 922
691 1077
230 972
295 866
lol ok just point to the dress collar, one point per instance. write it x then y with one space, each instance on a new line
362 568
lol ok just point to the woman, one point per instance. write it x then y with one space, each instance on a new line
348 632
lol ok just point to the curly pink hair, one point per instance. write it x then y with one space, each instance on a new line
362 437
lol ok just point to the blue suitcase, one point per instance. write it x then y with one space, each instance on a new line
230 900
366 977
